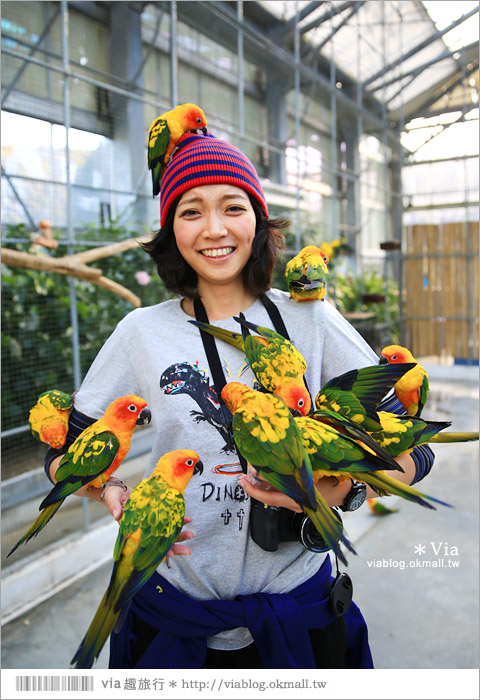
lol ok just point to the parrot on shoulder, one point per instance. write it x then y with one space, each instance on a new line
48 419
306 274
268 437
151 523
411 389
94 456
164 134
276 363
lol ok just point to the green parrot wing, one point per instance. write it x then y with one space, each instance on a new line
158 141
151 523
359 391
90 455
423 394
58 399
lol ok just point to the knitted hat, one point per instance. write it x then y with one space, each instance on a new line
206 160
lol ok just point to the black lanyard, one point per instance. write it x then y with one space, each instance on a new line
213 357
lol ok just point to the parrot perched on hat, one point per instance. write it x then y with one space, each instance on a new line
306 274
164 134
48 419
276 363
411 389
151 522
94 456
268 437
334 454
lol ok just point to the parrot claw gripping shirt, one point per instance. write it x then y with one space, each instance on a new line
155 353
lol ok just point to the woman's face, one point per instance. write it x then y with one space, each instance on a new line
214 227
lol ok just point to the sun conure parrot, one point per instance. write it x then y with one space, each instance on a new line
94 456
378 508
151 522
356 394
276 363
306 275
411 389
403 433
334 454
267 435
48 419
164 134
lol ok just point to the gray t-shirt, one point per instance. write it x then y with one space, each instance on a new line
155 353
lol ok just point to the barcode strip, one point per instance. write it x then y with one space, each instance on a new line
53 683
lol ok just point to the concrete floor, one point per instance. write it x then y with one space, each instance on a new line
418 617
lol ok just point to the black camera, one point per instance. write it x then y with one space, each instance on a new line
271 525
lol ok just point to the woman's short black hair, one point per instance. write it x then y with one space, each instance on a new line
180 278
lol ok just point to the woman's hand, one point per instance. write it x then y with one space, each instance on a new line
256 487
115 499
181 548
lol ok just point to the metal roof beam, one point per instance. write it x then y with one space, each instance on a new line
419 69
416 49
436 97
288 27
316 49
326 15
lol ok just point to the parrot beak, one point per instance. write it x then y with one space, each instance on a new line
144 417
204 130
383 360
198 468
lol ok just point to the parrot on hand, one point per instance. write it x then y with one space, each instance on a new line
164 134
151 523
276 363
48 419
268 437
94 456
356 394
306 274
378 508
411 389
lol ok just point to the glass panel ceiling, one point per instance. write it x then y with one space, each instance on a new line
385 45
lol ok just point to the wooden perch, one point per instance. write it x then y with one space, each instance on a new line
75 265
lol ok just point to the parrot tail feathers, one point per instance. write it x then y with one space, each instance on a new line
97 634
330 527
385 485
38 525
454 437
229 337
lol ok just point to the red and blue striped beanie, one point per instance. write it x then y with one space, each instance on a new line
206 160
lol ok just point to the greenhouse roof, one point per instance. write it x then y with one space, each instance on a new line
411 56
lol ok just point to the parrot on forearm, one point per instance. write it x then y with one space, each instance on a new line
411 389
94 456
306 275
48 419
356 394
151 523
268 437
276 363
334 454
164 134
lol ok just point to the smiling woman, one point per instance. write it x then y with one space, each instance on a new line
222 606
